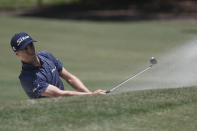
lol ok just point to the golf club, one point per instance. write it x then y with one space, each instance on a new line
153 61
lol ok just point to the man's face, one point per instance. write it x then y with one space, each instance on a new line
27 54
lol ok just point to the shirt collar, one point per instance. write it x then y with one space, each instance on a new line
26 66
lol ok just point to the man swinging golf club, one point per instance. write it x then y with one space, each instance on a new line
41 72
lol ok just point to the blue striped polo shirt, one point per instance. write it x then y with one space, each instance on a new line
35 80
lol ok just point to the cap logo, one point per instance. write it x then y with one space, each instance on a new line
21 39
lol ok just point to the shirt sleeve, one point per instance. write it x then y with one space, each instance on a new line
34 88
39 87
57 63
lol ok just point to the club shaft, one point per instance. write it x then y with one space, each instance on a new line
131 77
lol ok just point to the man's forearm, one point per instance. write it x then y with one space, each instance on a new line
74 93
73 81
77 84
53 91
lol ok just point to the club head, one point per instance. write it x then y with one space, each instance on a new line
153 61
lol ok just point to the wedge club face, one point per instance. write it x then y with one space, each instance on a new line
153 61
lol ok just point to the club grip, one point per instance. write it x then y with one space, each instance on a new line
108 91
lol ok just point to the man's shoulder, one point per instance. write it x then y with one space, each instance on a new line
44 53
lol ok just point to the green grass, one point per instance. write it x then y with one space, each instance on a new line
100 54
153 110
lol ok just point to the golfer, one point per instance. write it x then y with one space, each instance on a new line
41 72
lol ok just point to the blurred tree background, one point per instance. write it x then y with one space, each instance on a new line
102 9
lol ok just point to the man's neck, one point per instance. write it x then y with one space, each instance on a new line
35 61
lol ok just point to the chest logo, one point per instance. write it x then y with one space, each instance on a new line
53 70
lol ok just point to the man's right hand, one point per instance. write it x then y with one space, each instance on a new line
103 92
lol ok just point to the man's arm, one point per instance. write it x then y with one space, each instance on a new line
53 91
73 81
